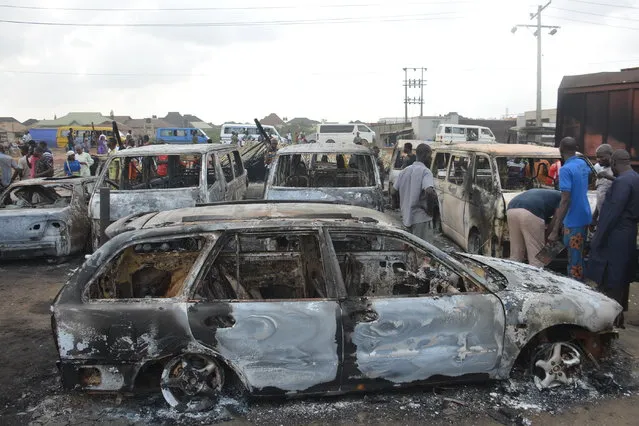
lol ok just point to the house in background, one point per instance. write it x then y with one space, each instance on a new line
10 129
75 119
273 120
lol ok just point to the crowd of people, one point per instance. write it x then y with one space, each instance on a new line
538 216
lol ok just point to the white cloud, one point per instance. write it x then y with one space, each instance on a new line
334 71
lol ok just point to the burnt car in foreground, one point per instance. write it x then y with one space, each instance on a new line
45 217
290 299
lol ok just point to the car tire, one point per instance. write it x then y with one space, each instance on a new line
330 141
474 242
192 382
556 364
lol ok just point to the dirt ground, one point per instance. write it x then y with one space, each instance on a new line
30 391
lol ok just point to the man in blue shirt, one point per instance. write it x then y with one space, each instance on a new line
574 210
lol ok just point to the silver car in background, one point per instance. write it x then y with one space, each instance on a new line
331 172
44 218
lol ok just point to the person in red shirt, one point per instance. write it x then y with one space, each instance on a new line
553 172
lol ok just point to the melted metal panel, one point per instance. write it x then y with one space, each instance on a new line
416 338
286 345
363 197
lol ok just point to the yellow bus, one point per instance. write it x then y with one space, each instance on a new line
79 131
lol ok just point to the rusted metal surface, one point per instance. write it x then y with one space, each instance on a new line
44 218
503 149
340 319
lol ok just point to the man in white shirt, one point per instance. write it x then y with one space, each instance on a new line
85 160
417 195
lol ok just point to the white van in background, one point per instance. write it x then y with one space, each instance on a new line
459 133
343 133
226 132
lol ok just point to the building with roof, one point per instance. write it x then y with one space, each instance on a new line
272 120
75 119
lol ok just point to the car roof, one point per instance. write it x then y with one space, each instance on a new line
54 181
324 148
264 210
161 149
470 126
500 149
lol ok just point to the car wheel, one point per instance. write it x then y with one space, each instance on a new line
330 141
474 242
192 382
556 364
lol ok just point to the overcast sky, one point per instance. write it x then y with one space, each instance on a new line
347 69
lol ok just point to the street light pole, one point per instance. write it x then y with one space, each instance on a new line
539 9
538 28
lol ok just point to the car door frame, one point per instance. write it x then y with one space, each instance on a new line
353 378
454 200
481 205
222 317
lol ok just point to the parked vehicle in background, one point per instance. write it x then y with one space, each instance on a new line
80 132
345 173
227 129
460 133
285 298
165 177
45 217
45 135
600 108
343 133
475 183
180 135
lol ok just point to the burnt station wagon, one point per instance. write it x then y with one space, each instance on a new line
291 299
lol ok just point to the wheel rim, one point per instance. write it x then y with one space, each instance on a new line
192 382
555 365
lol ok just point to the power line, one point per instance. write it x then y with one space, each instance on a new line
396 18
386 72
596 14
189 9
595 23
606 4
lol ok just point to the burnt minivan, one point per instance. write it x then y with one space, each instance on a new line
475 183
166 177
330 172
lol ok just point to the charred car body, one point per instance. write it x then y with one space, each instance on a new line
346 173
165 177
310 299
475 183
44 218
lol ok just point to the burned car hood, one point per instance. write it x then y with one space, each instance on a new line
363 197
539 298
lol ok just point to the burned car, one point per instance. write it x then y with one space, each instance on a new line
346 173
475 183
290 299
44 217
165 177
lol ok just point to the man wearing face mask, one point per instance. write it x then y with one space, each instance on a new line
613 254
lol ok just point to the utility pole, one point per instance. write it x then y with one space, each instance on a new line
538 27
414 84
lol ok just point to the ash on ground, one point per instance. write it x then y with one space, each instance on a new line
506 402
